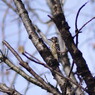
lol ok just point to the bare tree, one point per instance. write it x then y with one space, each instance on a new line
54 51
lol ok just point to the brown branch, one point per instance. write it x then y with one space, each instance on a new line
77 31
64 57
82 68
13 51
36 61
66 64
45 65
9 91
30 70
22 63
19 71
39 44
26 66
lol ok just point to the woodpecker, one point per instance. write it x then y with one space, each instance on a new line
52 43
54 47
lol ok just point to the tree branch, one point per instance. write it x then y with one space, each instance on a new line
39 44
46 86
9 91
62 25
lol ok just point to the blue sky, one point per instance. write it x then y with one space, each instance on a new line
86 38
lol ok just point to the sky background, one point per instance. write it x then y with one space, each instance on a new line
86 38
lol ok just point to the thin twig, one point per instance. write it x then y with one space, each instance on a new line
31 71
76 33
26 66
86 23
76 21
9 5
13 51
38 62
45 65
21 72
9 91
32 56
71 69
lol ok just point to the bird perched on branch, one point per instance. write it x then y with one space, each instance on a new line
52 43
54 47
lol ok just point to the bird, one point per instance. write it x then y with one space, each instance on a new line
54 47
52 43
